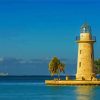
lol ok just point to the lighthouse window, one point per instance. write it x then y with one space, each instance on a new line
91 56
80 51
79 64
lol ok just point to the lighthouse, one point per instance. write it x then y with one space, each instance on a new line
85 61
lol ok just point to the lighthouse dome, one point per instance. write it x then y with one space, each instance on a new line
85 28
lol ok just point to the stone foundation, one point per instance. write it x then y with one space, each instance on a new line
71 82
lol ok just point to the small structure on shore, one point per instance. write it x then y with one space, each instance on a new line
85 64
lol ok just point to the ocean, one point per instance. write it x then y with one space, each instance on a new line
34 88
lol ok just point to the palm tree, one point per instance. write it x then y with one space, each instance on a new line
56 66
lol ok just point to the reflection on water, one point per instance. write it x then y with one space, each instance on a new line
84 93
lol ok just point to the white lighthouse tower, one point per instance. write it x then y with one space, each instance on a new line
85 63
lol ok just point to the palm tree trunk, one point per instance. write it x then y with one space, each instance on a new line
58 75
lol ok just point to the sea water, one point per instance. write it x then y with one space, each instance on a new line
34 88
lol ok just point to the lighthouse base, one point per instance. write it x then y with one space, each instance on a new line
89 77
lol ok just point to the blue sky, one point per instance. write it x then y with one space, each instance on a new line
31 29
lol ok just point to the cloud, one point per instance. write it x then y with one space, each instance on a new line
21 61
1 59
32 61
14 66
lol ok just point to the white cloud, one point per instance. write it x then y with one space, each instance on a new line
22 62
1 59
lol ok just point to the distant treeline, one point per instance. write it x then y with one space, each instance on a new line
97 66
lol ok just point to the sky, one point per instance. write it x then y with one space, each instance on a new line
41 29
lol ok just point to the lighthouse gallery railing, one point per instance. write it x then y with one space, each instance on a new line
93 38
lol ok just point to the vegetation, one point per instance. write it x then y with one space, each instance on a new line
97 66
56 66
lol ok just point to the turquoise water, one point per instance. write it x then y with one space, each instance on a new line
16 89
